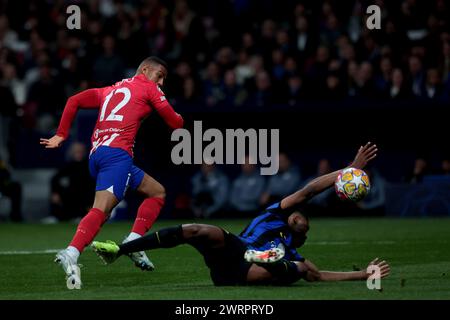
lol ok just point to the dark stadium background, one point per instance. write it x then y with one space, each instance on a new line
319 122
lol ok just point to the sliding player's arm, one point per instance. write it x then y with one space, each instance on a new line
364 155
87 99
314 274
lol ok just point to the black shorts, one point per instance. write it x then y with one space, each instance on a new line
227 264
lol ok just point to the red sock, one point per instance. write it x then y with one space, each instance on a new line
147 214
88 228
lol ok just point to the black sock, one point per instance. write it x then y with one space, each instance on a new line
164 238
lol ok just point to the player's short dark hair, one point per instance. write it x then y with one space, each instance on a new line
303 210
155 60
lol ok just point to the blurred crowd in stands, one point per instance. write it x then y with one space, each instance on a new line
221 54
224 53
215 194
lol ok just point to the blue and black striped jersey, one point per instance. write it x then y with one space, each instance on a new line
269 230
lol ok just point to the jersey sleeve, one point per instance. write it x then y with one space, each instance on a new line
276 209
87 99
159 102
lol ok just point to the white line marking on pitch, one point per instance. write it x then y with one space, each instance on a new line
25 252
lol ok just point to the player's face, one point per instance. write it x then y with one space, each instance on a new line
300 227
298 223
156 74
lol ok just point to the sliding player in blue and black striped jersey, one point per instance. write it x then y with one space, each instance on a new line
265 252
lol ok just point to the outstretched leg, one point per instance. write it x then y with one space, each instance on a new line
194 234
147 213
87 229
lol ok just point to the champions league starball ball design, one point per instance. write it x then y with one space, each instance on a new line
352 184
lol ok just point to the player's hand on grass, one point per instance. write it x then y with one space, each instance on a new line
382 265
53 142
365 154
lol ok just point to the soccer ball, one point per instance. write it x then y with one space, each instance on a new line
352 184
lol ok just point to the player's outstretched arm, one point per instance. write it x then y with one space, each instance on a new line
170 117
365 155
314 274
90 98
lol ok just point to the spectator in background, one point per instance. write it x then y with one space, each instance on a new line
290 66
182 19
331 30
8 113
277 63
9 37
352 72
12 190
417 75
212 85
182 72
335 90
248 44
185 89
317 69
71 74
295 91
305 41
419 171
189 96
369 48
225 59
14 83
374 203
262 96
130 35
285 182
234 94
445 167
397 89
444 61
209 191
72 187
383 78
267 41
108 67
346 51
365 86
283 42
46 98
433 86
244 70
246 190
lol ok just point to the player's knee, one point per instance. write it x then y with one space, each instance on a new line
155 191
190 230
105 202
193 230
161 192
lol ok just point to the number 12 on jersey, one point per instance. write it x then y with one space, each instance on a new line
113 116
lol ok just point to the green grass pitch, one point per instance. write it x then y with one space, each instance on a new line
417 249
